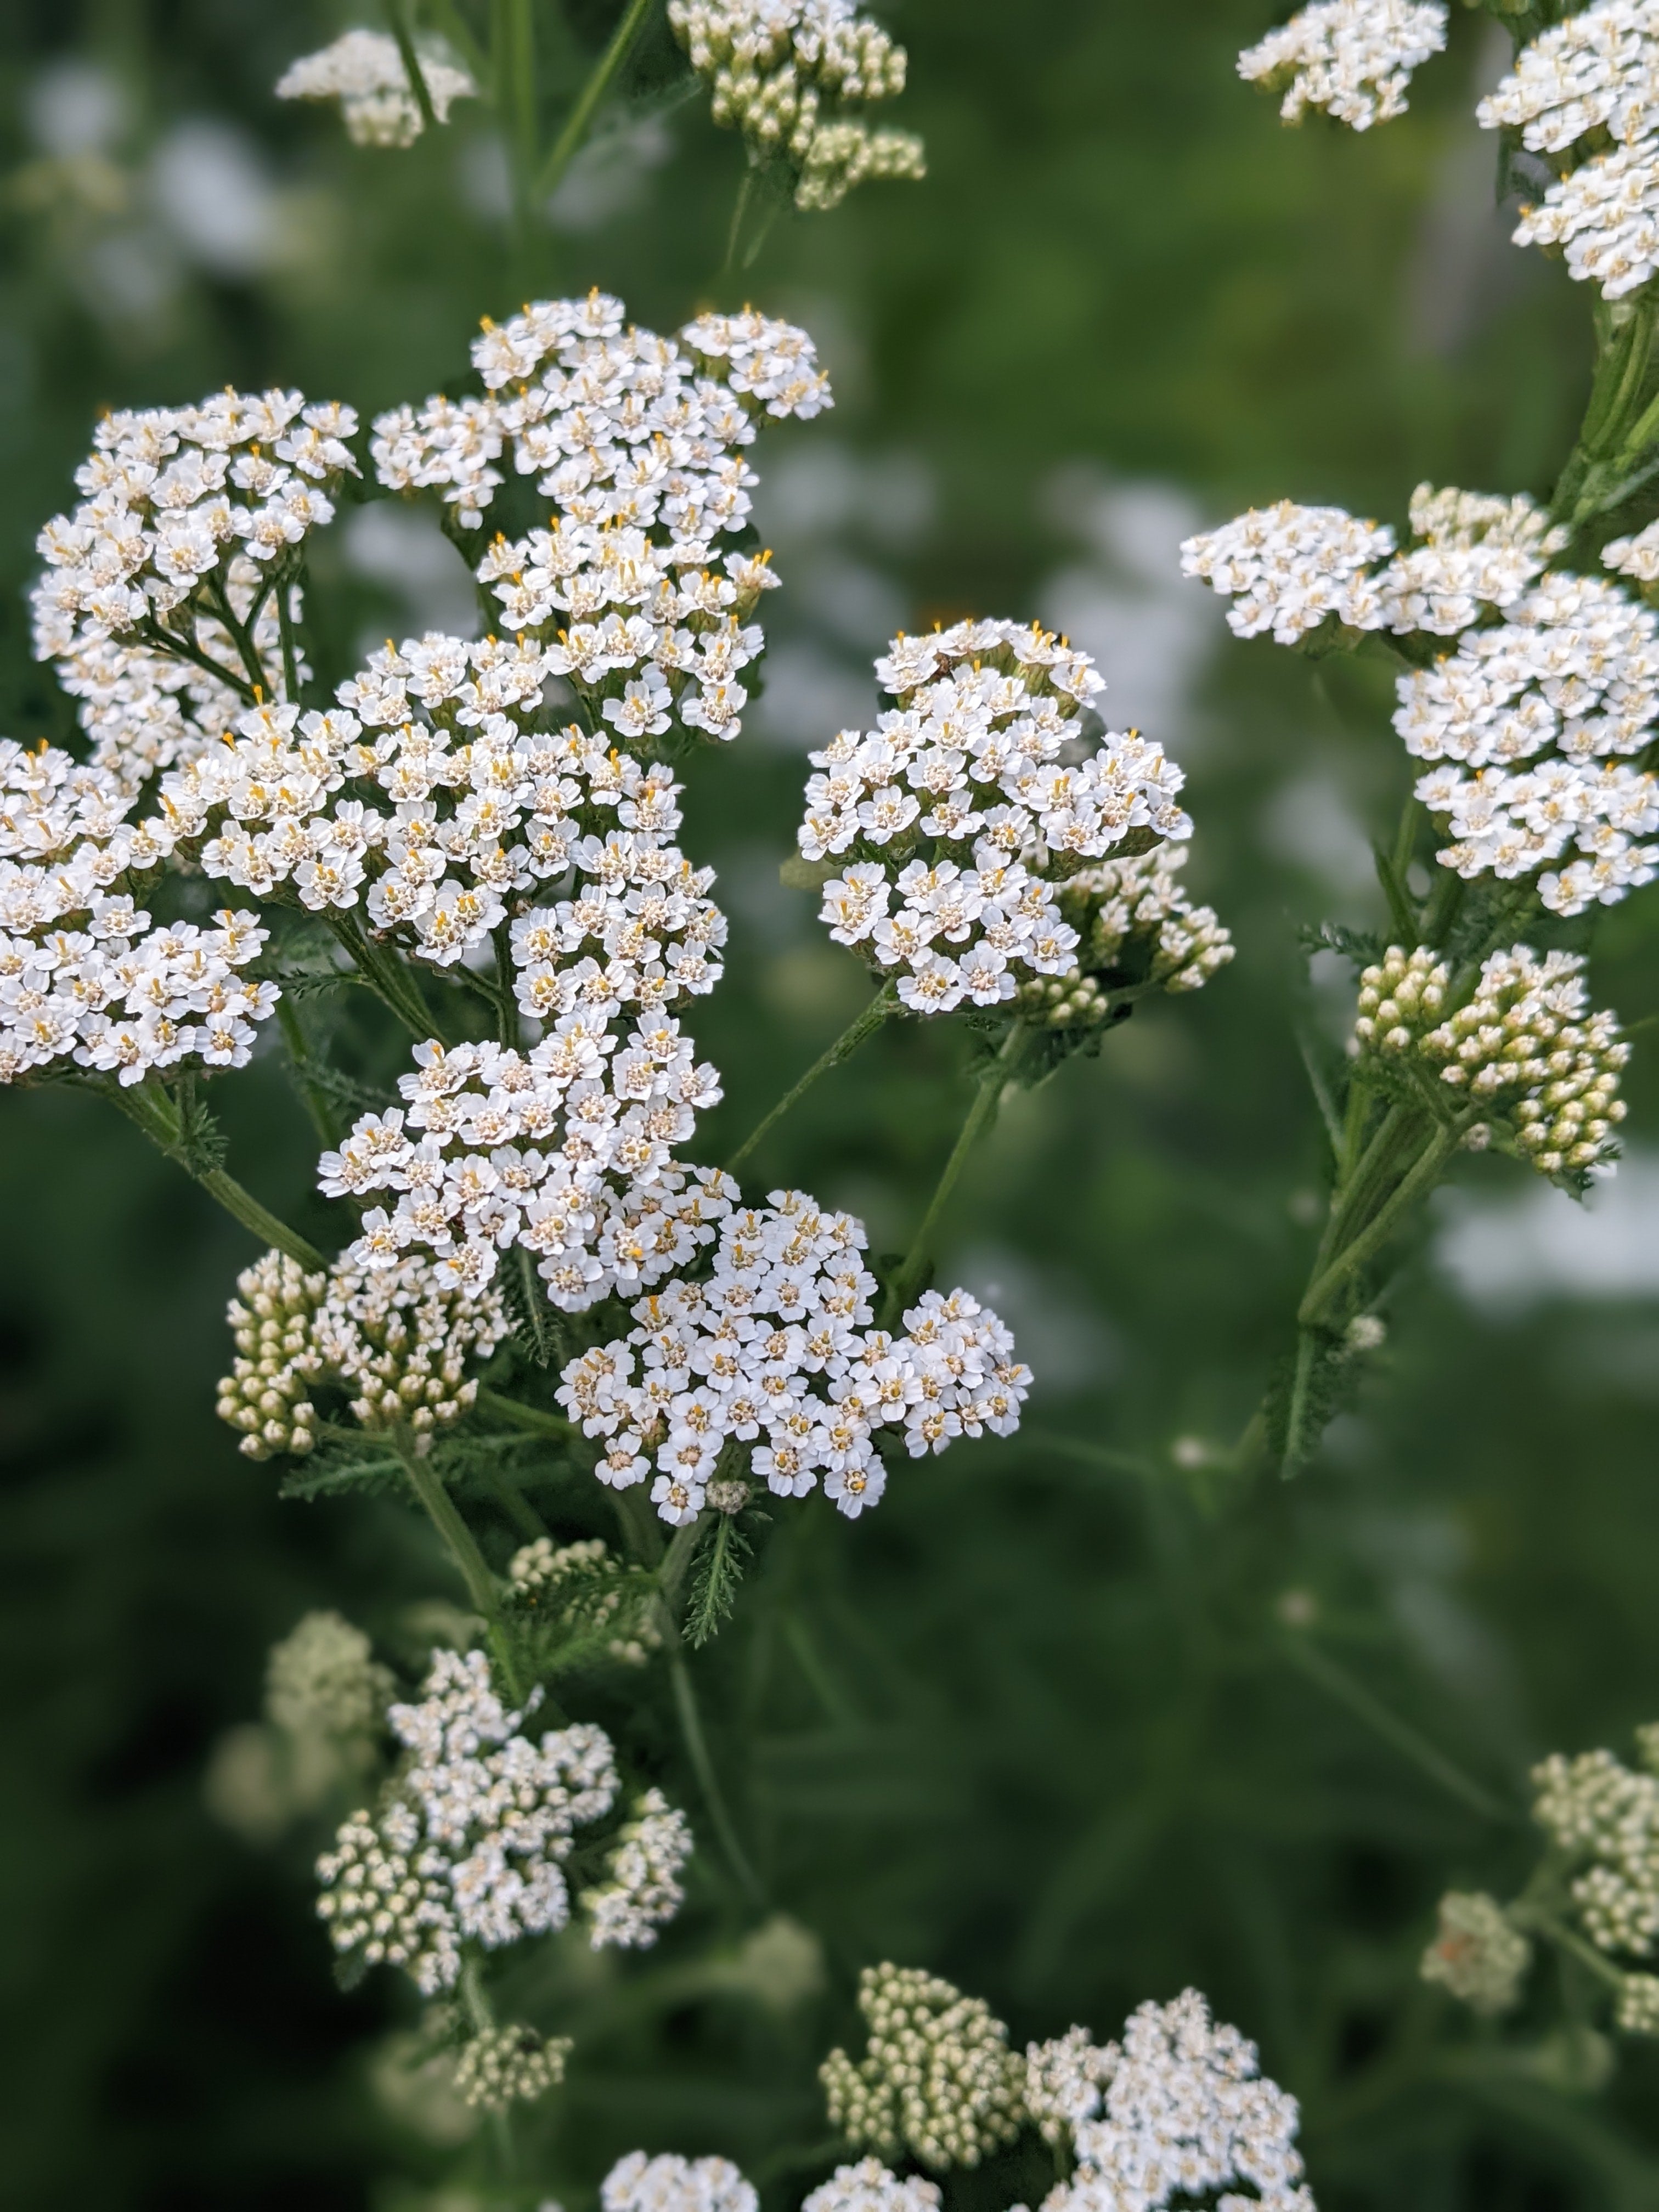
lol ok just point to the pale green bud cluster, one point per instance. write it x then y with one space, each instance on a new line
1525 1044
1599 1811
1135 923
322 1679
538 1571
398 1339
264 1393
503 2066
782 71
1477 1953
937 2079
325 1698
1637 2008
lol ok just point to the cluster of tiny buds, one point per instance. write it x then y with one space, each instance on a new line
642 1889
1353 58
398 1341
1524 1044
499 2067
937 2080
364 72
1636 2011
1606 1817
322 1679
1478 1954
544 1571
1134 925
782 72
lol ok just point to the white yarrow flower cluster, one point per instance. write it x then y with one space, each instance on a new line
1533 721
967 804
1606 1816
1135 924
1593 76
1637 556
1064 2082
190 522
563 1149
397 1341
1180 2108
640 1893
869 2187
470 1847
769 1358
1353 58
784 72
432 801
365 72
1477 1953
1287 567
88 978
672 2183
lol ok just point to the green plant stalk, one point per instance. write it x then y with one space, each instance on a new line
988 1097
864 1024
158 1118
1423 1174
239 638
740 209
534 1417
397 16
1545 1924
317 1104
574 129
482 2015
395 989
462 1546
165 641
702 1764
456 29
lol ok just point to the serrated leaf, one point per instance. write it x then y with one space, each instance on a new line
716 1576
338 1476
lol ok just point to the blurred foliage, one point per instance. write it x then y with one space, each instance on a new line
1064 1721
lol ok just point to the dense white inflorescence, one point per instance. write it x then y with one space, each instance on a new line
365 72
1064 2082
784 72
672 2183
1637 556
1593 76
1606 1817
432 803
397 1339
1180 2108
165 592
88 978
1132 918
769 1357
1477 1954
869 2187
1353 58
1531 719
936 2078
1525 1047
469 1847
640 1892
563 1151
967 804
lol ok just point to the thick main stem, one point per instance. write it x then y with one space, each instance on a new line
987 1098
864 1024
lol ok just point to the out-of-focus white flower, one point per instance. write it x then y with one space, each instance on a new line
1353 58
1476 1953
672 2183
365 72
869 2187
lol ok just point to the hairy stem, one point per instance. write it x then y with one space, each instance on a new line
864 1024
1338 1683
534 1417
988 1097
567 145
462 1546
158 1117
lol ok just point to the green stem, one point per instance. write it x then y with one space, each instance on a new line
455 28
745 193
158 1118
1545 1923
386 977
317 1103
1422 1174
1336 1681
697 1745
566 146
166 641
463 1547
238 636
290 646
527 1417
864 1024
412 61
987 1097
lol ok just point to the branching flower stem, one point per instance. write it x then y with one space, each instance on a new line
462 1546
159 1118
987 1097
863 1025
567 145
398 17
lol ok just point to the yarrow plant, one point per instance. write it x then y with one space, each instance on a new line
539 1305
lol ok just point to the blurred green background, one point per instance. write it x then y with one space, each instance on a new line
1046 1724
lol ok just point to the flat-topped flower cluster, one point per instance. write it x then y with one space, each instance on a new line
471 1845
1593 77
1352 59
1534 719
167 591
967 804
365 72
771 1352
